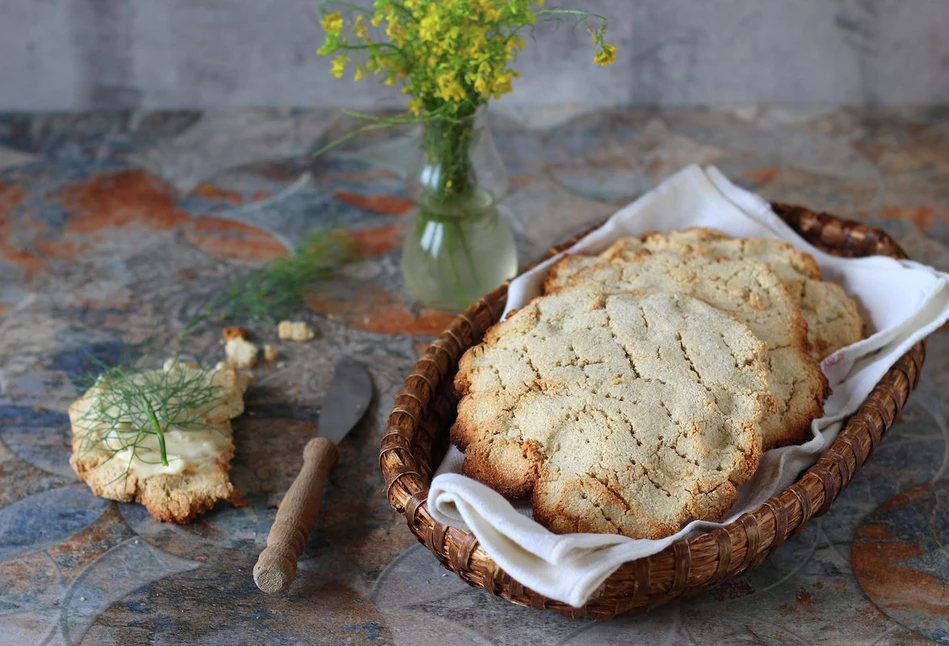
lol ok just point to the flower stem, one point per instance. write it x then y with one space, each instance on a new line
456 276
472 267
150 413
447 145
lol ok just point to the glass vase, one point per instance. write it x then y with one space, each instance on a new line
459 247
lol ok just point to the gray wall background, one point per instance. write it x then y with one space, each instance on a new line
78 54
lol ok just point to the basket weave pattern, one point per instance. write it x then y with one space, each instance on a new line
416 438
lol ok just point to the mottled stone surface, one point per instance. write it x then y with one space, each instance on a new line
116 229
900 559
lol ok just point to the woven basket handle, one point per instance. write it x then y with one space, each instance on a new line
295 518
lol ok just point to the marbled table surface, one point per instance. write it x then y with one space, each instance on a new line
117 228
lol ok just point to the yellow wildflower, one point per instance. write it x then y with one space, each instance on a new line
333 22
491 14
514 44
360 27
339 65
427 27
448 56
606 55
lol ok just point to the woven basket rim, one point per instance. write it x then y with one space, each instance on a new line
688 566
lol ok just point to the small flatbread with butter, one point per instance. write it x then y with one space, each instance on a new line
113 455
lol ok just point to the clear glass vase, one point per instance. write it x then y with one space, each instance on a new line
459 247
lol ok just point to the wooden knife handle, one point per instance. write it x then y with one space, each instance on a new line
295 518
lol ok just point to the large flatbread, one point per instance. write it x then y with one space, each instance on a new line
614 413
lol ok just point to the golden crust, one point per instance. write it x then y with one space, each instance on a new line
177 498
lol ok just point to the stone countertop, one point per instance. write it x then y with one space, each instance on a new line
116 228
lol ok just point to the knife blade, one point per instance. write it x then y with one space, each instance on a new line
344 405
346 401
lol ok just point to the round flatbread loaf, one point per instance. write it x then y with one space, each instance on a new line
833 320
616 413
748 290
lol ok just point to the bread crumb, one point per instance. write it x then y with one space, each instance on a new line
234 332
270 353
240 353
295 330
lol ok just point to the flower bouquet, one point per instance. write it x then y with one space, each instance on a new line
450 58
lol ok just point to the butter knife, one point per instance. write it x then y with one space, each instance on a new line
344 405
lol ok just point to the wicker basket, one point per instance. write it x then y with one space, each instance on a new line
417 436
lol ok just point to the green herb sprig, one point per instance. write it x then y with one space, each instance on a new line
278 288
132 405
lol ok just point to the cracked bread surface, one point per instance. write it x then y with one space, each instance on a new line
617 413
746 289
789 263
833 320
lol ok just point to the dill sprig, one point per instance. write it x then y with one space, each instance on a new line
278 288
130 406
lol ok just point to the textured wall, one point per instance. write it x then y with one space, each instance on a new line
66 54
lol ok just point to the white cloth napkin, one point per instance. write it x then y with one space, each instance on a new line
902 302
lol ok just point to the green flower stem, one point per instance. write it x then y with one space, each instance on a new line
472 267
456 276
153 418
450 193
447 144
580 15
378 123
